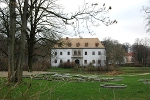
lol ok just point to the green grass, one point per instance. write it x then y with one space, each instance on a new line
55 90
134 70
46 90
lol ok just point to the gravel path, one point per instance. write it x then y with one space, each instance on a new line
5 73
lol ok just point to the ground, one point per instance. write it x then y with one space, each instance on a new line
5 73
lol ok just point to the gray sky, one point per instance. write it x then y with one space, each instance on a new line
128 13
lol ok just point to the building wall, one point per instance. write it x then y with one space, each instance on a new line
81 56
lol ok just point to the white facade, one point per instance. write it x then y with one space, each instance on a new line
86 56
80 55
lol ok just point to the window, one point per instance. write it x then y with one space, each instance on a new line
77 44
60 60
75 52
68 61
93 61
79 52
86 44
96 44
60 44
99 53
85 61
93 53
60 53
69 44
68 53
85 52
99 61
55 53
55 61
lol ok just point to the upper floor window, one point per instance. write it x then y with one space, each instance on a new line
60 53
79 52
55 53
99 53
68 53
75 52
96 44
93 53
77 44
85 52
86 44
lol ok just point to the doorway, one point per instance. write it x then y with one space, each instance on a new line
77 62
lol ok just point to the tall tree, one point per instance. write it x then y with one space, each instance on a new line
141 51
146 10
22 43
11 41
49 14
114 52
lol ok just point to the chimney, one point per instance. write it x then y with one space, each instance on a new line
67 38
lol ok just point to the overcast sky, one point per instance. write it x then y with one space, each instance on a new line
128 13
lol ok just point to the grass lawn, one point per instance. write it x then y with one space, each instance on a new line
134 70
32 89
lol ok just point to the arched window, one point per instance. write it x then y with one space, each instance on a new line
75 52
79 52
99 53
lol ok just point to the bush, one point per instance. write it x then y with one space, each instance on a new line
67 65
3 64
133 65
39 66
90 67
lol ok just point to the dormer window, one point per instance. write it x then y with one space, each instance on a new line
69 44
77 44
59 44
96 44
86 44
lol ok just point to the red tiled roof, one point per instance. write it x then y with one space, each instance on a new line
83 43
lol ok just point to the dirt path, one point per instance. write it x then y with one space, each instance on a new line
5 73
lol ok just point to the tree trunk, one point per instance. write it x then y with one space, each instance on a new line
11 42
30 62
30 51
22 43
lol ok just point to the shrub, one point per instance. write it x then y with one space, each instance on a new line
90 67
39 66
3 64
67 65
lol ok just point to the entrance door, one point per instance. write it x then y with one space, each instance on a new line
77 62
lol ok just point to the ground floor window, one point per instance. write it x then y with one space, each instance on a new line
85 61
68 61
93 61
55 61
99 61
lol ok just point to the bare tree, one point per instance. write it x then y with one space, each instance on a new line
146 10
141 51
11 41
49 14
22 42
114 52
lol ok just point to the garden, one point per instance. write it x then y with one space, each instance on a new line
126 83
